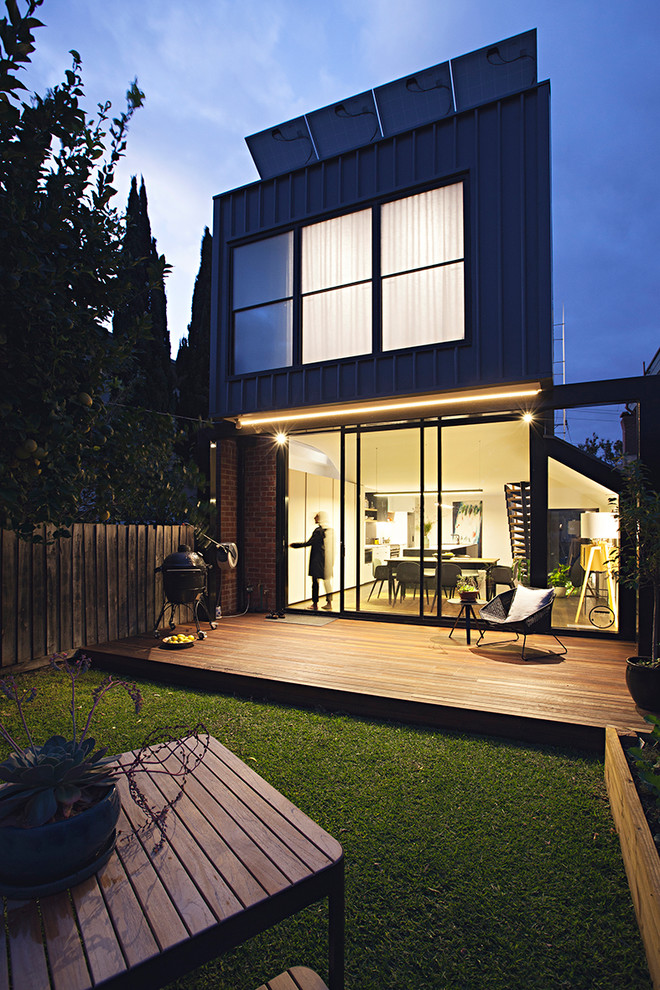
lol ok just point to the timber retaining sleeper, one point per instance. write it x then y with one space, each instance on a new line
640 855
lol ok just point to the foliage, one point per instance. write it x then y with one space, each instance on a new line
559 578
470 861
148 379
646 759
610 451
466 584
638 564
521 570
69 450
61 777
192 366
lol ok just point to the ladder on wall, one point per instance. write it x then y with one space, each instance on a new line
518 498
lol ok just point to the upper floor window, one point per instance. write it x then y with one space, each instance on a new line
421 271
423 294
263 304
336 288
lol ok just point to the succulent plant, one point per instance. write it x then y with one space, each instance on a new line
49 781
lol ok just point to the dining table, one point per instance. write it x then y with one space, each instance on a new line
237 857
468 565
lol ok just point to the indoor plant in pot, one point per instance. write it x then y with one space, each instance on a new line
559 580
59 803
639 521
467 589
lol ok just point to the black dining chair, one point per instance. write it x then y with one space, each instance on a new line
380 573
500 574
408 575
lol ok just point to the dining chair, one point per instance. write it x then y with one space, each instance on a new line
408 575
500 574
380 573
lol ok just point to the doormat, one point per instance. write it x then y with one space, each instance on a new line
305 620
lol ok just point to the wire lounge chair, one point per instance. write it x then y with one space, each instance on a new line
522 611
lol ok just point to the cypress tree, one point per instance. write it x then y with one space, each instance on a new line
192 360
144 316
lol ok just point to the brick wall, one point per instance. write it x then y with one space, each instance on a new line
228 493
259 521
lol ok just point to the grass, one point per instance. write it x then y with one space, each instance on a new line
470 861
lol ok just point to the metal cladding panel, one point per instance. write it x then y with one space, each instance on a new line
501 152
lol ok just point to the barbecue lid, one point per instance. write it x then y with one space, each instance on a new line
184 557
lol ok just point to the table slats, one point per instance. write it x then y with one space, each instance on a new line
63 942
103 950
136 938
28 957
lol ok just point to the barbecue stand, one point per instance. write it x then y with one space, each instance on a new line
185 575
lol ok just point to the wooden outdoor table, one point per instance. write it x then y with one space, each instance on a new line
238 858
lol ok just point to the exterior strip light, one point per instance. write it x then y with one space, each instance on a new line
384 407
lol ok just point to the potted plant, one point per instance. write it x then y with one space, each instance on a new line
638 512
559 580
59 803
467 589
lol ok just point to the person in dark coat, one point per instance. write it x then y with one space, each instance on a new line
316 542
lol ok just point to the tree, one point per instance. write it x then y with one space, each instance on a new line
150 377
68 448
193 362
610 451
193 358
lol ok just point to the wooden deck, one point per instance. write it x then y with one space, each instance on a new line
401 672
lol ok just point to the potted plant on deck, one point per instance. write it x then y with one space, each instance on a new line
639 522
59 803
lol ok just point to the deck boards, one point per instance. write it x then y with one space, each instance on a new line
403 672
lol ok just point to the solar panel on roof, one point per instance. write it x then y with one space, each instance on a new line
282 148
413 100
346 125
495 71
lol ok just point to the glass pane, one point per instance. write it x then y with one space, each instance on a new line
314 499
421 230
263 271
476 536
336 252
337 323
431 503
582 533
390 522
351 549
426 307
262 338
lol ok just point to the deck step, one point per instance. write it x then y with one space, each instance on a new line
296 978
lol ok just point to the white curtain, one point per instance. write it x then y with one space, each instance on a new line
423 304
421 230
424 307
336 317
337 323
336 252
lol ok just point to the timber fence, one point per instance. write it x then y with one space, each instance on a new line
99 585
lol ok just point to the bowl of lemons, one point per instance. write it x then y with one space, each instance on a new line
179 641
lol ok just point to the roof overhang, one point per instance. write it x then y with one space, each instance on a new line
515 398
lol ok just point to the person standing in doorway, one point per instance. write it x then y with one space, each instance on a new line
329 545
316 543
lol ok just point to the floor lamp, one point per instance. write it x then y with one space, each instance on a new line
602 529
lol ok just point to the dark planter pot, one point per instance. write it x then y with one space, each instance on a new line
643 684
40 861
468 596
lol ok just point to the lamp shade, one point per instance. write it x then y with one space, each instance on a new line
599 526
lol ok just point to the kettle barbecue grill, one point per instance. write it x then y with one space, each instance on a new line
185 576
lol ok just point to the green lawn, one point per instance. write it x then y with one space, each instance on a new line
471 862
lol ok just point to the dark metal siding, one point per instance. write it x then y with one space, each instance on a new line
502 151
